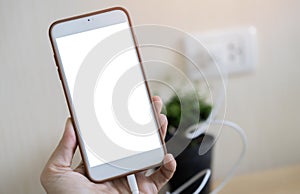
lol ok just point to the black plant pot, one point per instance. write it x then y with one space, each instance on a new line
189 163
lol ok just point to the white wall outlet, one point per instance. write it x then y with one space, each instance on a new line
235 51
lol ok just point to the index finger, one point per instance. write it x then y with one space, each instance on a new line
157 102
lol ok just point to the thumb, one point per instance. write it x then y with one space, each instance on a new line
63 154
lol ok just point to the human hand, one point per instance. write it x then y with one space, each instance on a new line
59 178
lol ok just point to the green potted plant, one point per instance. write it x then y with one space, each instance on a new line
175 107
189 162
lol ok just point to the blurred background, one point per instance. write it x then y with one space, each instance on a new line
264 101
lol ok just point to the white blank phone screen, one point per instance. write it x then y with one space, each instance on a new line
110 135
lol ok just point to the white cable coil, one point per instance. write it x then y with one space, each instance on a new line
195 131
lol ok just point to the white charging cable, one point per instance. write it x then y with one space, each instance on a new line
195 131
133 184
243 136
206 173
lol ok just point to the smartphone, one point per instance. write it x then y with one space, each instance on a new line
100 68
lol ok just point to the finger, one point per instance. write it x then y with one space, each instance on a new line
164 173
163 125
157 103
63 154
163 122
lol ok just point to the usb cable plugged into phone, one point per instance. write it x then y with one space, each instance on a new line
133 184
81 74
106 35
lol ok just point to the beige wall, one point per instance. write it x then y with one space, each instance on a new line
33 109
